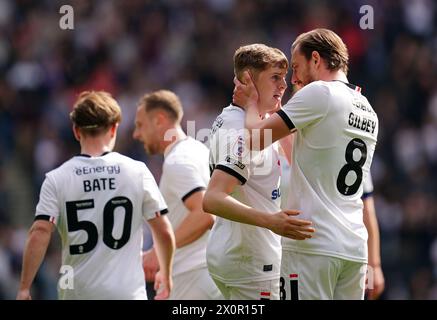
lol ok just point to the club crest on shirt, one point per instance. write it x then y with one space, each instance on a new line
239 148
218 122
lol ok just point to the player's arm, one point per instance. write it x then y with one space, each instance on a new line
218 201
150 264
262 133
196 223
373 243
191 228
286 145
164 242
34 251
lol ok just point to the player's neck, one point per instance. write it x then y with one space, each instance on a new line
172 136
263 111
95 147
328 75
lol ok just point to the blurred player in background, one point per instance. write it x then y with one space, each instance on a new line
98 200
243 254
185 176
336 134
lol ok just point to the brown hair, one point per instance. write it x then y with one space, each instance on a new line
165 100
94 112
328 44
258 57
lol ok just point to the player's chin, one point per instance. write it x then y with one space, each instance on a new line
148 149
276 104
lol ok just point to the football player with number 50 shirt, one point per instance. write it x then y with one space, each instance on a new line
98 201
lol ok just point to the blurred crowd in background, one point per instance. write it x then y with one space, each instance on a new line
132 47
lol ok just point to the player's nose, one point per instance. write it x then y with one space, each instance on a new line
294 78
135 134
283 84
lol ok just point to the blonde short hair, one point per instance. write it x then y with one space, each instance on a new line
165 100
258 57
94 112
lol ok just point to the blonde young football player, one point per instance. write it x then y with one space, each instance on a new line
243 254
98 201
336 133
185 175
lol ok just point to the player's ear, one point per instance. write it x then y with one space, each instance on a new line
316 58
113 129
160 118
76 132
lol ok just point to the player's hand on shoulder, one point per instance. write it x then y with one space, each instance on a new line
287 225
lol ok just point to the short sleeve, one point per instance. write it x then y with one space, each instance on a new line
185 179
48 205
153 202
367 187
231 153
308 106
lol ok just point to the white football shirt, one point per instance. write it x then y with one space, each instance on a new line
336 137
185 171
367 187
98 205
240 252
